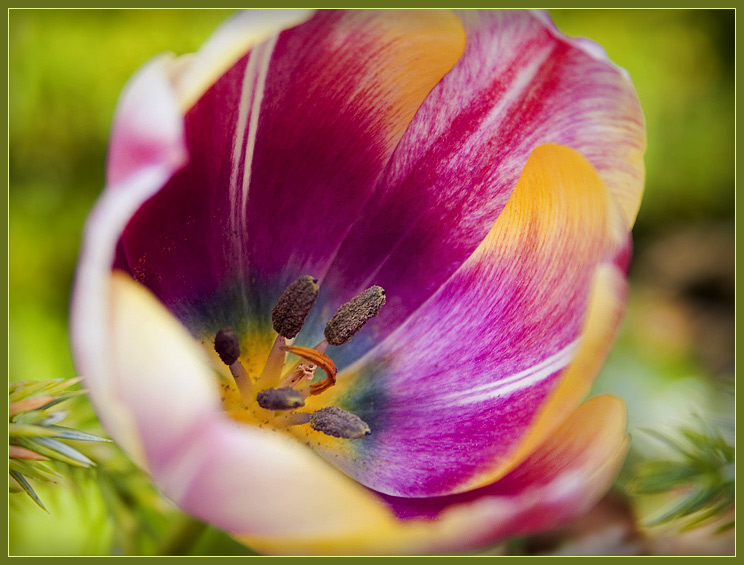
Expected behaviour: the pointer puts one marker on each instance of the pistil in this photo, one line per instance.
(322, 361)
(302, 370)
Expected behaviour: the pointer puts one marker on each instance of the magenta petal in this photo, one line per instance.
(179, 243)
(451, 394)
(340, 92)
(518, 85)
(560, 481)
(285, 150)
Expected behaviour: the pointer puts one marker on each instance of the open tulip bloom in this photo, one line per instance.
(354, 272)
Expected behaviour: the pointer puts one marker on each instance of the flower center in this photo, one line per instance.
(279, 392)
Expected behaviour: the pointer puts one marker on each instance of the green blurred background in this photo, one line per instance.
(674, 359)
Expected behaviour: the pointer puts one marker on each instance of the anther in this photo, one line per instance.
(294, 305)
(227, 346)
(280, 399)
(334, 421)
(351, 317)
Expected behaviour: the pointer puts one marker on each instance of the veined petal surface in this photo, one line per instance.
(285, 150)
(519, 84)
(451, 394)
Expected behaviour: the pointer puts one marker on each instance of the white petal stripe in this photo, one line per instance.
(519, 381)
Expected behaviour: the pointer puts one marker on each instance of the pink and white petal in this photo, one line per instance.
(148, 125)
(341, 92)
(258, 482)
(159, 374)
(244, 479)
(451, 394)
(519, 84)
(179, 243)
(560, 481)
(285, 149)
(144, 163)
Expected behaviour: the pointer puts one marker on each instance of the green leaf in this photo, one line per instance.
(701, 517)
(62, 398)
(56, 450)
(27, 489)
(725, 527)
(53, 418)
(689, 504)
(69, 433)
(670, 442)
(40, 417)
(62, 385)
(24, 389)
(659, 476)
(21, 390)
(25, 430)
(704, 467)
(35, 470)
(33, 415)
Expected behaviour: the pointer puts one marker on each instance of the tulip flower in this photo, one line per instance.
(353, 273)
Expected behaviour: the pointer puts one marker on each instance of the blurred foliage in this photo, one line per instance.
(34, 435)
(67, 68)
(702, 469)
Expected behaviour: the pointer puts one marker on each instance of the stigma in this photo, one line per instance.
(277, 393)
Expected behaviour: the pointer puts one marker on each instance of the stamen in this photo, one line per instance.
(294, 305)
(287, 419)
(351, 317)
(227, 346)
(285, 398)
(334, 421)
(322, 361)
(272, 371)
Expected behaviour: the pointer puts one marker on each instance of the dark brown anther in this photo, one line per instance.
(334, 421)
(351, 317)
(285, 398)
(294, 305)
(227, 346)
